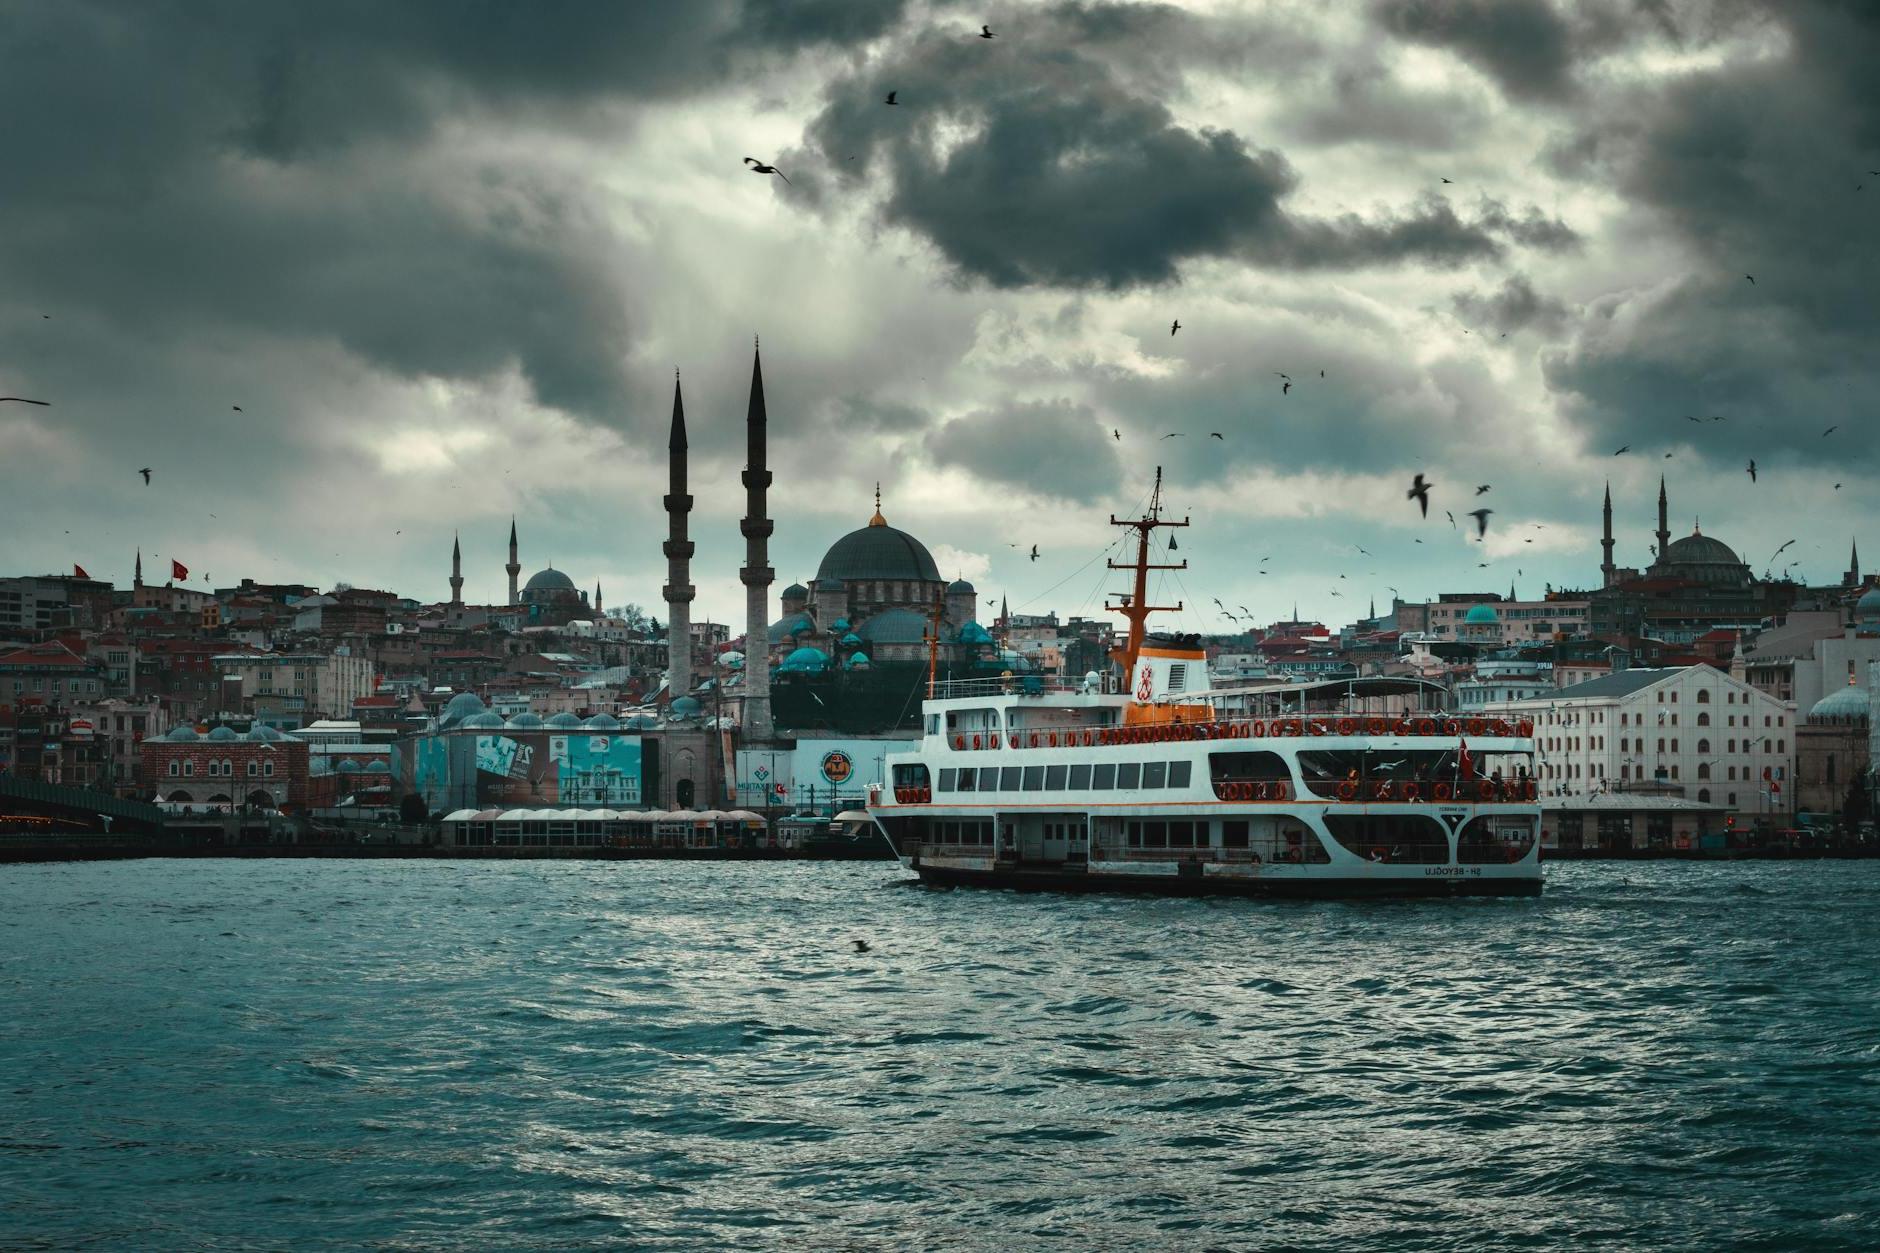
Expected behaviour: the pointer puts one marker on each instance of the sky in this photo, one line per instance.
(446, 255)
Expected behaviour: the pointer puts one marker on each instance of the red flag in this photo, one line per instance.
(78, 571)
(178, 570)
(1465, 762)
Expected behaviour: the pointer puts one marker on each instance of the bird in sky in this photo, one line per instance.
(1450, 516)
(1264, 560)
(1034, 552)
(891, 97)
(1717, 417)
(1627, 448)
(1837, 487)
(1285, 387)
(1321, 374)
(1118, 434)
(1480, 488)
(1416, 541)
(1831, 430)
(1420, 492)
(1364, 550)
(1446, 180)
(236, 408)
(1176, 435)
(1778, 552)
(1246, 611)
(1481, 565)
(146, 473)
(1174, 326)
(23, 400)
(758, 167)
(1282, 374)
(1751, 278)
(1217, 435)
(985, 32)
(1752, 469)
(1481, 521)
(1667, 456)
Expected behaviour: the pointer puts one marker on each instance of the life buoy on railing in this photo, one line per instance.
(1259, 791)
(1531, 790)
(1090, 738)
(1402, 727)
(1525, 727)
(1014, 741)
(1497, 726)
(1374, 726)
(977, 743)
(1347, 726)
(1292, 727)
(1050, 739)
(1411, 792)
(1279, 790)
(1347, 790)
(1486, 789)
(959, 741)
(1451, 727)
(1257, 729)
(1444, 791)
(1034, 739)
(1426, 726)
(1475, 726)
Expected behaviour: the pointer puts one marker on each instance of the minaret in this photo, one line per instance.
(1664, 520)
(1607, 569)
(679, 590)
(137, 579)
(757, 574)
(1853, 565)
(456, 573)
(514, 567)
(597, 598)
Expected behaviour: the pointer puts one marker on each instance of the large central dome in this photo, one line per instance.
(1694, 550)
(550, 579)
(878, 551)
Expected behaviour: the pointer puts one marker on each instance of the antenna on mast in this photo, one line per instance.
(1135, 605)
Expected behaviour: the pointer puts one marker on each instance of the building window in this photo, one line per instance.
(1703, 719)
(175, 769)
(1703, 746)
(1703, 698)
(189, 769)
(267, 768)
(1703, 795)
(1703, 770)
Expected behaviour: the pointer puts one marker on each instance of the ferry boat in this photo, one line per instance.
(1337, 788)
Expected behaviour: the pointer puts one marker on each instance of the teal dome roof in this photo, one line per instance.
(958, 587)
(805, 661)
(851, 640)
(182, 735)
(894, 626)
(224, 735)
(601, 722)
(973, 633)
(262, 733)
(524, 722)
(488, 720)
(795, 624)
(878, 551)
(1481, 615)
(841, 624)
(1848, 704)
(563, 722)
(859, 661)
(640, 722)
(686, 707)
(796, 591)
(550, 579)
(1867, 608)
(461, 706)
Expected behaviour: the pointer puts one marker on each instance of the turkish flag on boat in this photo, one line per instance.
(1465, 762)
(178, 570)
(78, 571)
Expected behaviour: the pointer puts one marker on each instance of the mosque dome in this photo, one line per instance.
(851, 640)
(1697, 549)
(548, 580)
(1867, 608)
(1849, 704)
(601, 722)
(973, 633)
(262, 733)
(796, 591)
(1697, 558)
(1481, 615)
(223, 735)
(687, 707)
(182, 735)
(878, 551)
(805, 661)
(640, 722)
(894, 626)
(524, 722)
(959, 587)
(794, 624)
(461, 706)
(488, 720)
(859, 661)
(563, 722)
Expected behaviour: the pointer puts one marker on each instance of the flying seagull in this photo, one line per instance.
(1752, 469)
(1831, 430)
(1118, 434)
(1176, 435)
(236, 408)
(1174, 326)
(1480, 488)
(1626, 449)
(1034, 552)
(1420, 492)
(758, 167)
(1446, 180)
(23, 400)
(1481, 521)
(1689, 418)
(1778, 552)
(891, 97)
(1450, 516)
(1751, 278)
(1217, 435)
(1285, 387)
(985, 32)
(146, 473)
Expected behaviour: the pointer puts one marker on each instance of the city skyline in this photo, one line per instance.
(454, 288)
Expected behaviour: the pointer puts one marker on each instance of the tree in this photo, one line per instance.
(633, 617)
(412, 810)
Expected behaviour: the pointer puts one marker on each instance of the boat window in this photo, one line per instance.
(1009, 778)
(967, 774)
(1157, 833)
(1247, 767)
(1416, 839)
(1179, 773)
(947, 777)
(1080, 778)
(1054, 778)
(1034, 778)
(1128, 776)
(1103, 777)
(1234, 833)
(1155, 774)
(1495, 839)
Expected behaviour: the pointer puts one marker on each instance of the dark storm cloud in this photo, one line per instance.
(1524, 45)
(1040, 163)
(1056, 447)
(1752, 168)
(1363, 102)
(1515, 306)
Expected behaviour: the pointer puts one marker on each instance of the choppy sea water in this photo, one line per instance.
(669, 1055)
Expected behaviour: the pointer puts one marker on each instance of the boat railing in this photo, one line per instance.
(1306, 726)
(1402, 791)
(1015, 685)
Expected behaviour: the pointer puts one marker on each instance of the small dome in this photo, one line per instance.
(805, 661)
(859, 661)
(796, 591)
(686, 707)
(841, 624)
(550, 579)
(563, 722)
(640, 722)
(851, 640)
(959, 587)
(601, 722)
(461, 706)
(224, 735)
(1481, 615)
(182, 735)
(348, 766)
(973, 633)
(1867, 608)
(794, 625)
(524, 722)
(262, 733)
(895, 626)
(488, 720)
(1849, 704)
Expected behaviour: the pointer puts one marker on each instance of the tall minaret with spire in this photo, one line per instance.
(597, 598)
(456, 573)
(514, 567)
(757, 574)
(1664, 520)
(137, 578)
(678, 590)
(1853, 564)
(1608, 571)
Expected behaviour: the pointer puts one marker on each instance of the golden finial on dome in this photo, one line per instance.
(877, 520)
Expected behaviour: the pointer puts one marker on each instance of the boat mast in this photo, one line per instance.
(1136, 607)
(933, 642)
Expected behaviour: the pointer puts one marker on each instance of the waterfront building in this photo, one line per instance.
(291, 689)
(1831, 749)
(261, 767)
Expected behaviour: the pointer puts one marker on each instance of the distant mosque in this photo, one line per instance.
(549, 597)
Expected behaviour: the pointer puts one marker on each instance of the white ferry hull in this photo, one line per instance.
(1215, 879)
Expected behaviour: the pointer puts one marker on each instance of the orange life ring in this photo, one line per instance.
(1090, 738)
(1402, 727)
(1374, 726)
(1051, 739)
(959, 741)
(1451, 727)
(1347, 726)
(1426, 726)
(1411, 792)
(1498, 726)
(1476, 726)
(1443, 792)
(1257, 729)
(1525, 727)
(1486, 789)
(977, 744)
(1034, 739)
(1015, 741)
(1347, 790)
(1292, 726)
(1531, 789)
(1279, 790)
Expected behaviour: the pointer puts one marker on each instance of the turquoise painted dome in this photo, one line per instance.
(224, 735)
(686, 707)
(859, 661)
(461, 706)
(488, 720)
(1481, 615)
(973, 633)
(525, 722)
(1867, 608)
(182, 735)
(563, 722)
(805, 661)
(851, 640)
(601, 722)
(1849, 704)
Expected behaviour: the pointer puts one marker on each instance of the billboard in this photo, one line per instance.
(520, 770)
(815, 774)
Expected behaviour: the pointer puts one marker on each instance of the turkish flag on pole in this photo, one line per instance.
(178, 570)
(78, 571)
(1465, 762)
